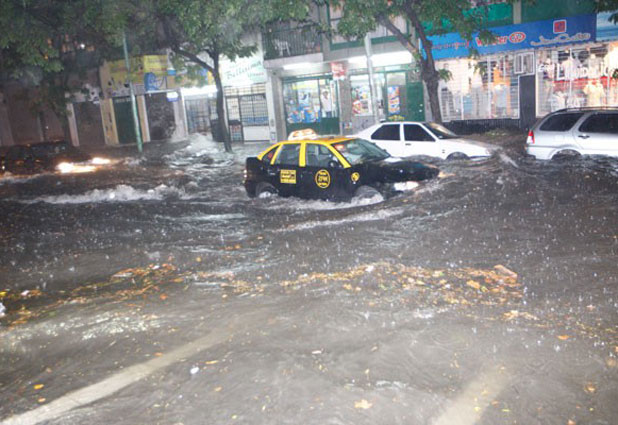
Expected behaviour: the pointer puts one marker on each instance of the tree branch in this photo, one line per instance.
(403, 39)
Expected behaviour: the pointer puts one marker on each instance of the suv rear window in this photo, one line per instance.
(561, 122)
(600, 123)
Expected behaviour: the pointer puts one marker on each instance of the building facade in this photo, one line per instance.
(545, 56)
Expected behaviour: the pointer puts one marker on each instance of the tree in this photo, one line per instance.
(48, 46)
(441, 16)
(202, 32)
(46, 38)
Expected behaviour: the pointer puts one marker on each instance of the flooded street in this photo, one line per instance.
(155, 291)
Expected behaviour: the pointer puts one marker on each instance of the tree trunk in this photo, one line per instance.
(433, 83)
(430, 76)
(224, 135)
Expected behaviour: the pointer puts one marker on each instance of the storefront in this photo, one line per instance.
(579, 75)
(311, 102)
(244, 86)
(485, 88)
(394, 99)
(500, 84)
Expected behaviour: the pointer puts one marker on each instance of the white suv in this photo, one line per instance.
(575, 132)
(409, 138)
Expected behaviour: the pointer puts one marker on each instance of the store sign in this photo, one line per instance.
(532, 35)
(243, 71)
(338, 70)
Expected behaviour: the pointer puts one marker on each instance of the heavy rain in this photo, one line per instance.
(488, 293)
(149, 287)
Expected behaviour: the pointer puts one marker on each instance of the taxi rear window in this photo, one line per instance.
(319, 156)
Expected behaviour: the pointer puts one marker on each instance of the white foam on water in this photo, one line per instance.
(121, 193)
(356, 218)
(17, 178)
(507, 159)
(296, 204)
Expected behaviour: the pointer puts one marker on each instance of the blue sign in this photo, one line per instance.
(151, 83)
(531, 35)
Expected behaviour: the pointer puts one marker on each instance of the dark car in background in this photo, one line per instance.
(41, 157)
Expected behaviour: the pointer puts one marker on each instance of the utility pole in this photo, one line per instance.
(138, 133)
(372, 83)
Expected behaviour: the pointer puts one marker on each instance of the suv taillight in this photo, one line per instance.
(530, 140)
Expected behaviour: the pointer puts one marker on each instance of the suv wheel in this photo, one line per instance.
(566, 155)
(265, 190)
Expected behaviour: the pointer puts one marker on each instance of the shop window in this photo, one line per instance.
(524, 63)
(487, 88)
(361, 94)
(574, 78)
(310, 101)
(395, 88)
(600, 123)
(561, 122)
(387, 132)
(288, 155)
(416, 133)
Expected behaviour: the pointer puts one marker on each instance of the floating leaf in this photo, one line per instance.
(474, 284)
(363, 404)
(38, 386)
(563, 337)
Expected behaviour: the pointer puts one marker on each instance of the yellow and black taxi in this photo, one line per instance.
(338, 168)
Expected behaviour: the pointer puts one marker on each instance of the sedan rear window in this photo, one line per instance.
(561, 122)
(387, 132)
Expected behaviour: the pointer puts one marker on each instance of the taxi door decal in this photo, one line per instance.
(322, 179)
(288, 176)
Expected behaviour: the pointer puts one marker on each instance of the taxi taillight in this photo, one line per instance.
(530, 140)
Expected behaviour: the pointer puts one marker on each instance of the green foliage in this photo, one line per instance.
(49, 45)
(425, 17)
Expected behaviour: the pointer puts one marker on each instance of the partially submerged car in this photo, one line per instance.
(48, 156)
(574, 132)
(338, 168)
(410, 138)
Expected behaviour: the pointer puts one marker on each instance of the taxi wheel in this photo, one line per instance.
(265, 190)
(367, 192)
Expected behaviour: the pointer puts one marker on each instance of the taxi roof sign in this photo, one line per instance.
(305, 134)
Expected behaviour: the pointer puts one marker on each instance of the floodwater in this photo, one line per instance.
(155, 291)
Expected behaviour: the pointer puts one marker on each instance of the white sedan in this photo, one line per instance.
(409, 138)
